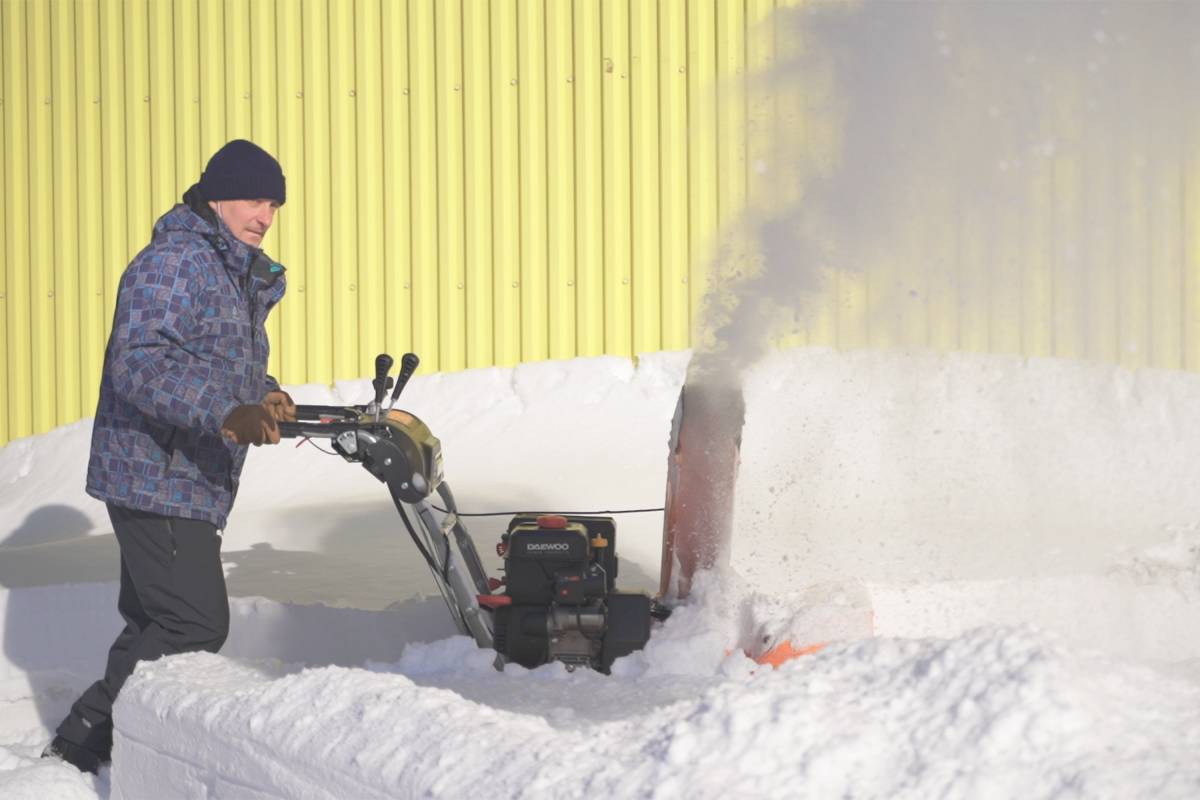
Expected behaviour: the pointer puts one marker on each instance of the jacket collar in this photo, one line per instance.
(195, 215)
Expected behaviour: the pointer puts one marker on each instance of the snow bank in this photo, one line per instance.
(996, 713)
(965, 490)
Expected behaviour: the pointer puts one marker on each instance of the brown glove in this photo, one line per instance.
(250, 424)
(280, 406)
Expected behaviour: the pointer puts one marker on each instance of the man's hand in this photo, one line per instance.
(280, 406)
(251, 424)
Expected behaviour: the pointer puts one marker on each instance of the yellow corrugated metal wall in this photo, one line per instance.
(481, 181)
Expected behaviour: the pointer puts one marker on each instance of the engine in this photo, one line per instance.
(561, 602)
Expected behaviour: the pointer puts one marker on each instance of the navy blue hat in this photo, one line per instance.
(242, 170)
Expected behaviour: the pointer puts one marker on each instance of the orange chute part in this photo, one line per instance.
(786, 651)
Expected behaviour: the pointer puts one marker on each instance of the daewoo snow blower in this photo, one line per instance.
(558, 600)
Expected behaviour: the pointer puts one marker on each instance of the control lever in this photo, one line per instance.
(383, 365)
(408, 365)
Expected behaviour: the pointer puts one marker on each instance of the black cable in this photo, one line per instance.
(559, 513)
(307, 440)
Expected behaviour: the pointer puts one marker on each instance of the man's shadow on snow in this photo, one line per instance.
(363, 596)
(52, 635)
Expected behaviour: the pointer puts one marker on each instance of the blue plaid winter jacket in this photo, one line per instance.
(188, 345)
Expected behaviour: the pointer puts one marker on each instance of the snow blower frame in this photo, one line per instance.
(559, 599)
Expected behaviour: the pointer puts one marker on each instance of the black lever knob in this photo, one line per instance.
(408, 365)
(383, 365)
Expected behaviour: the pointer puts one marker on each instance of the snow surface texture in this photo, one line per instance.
(1024, 530)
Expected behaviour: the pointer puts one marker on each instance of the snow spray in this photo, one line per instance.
(911, 148)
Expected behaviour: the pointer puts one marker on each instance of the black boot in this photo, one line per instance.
(81, 758)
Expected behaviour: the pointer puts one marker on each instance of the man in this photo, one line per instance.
(184, 391)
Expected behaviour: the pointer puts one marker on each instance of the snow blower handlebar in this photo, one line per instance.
(399, 449)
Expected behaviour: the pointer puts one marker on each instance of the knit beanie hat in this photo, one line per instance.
(242, 170)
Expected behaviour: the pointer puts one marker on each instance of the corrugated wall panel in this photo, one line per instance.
(614, 33)
(344, 177)
(1004, 319)
(291, 346)
(451, 274)
(974, 234)
(265, 94)
(820, 135)
(1166, 270)
(940, 251)
(368, 107)
(646, 267)
(1189, 224)
(477, 183)
(1133, 291)
(112, 142)
(4, 264)
(140, 213)
(702, 143)
(589, 180)
(185, 62)
(318, 248)
(238, 81)
(423, 151)
(486, 182)
(163, 109)
(506, 187)
(20, 397)
(673, 160)
(90, 265)
(1037, 288)
(760, 112)
(212, 88)
(731, 111)
(531, 137)
(65, 228)
(560, 181)
(397, 234)
(41, 219)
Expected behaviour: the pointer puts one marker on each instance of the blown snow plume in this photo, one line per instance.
(889, 147)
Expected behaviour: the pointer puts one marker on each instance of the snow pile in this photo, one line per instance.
(1021, 534)
(998, 712)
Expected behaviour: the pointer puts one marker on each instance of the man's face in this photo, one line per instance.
(249, 220)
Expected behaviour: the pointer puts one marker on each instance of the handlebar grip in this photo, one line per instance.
(383, 365)
(408, 365)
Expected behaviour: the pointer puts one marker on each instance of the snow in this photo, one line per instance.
(1021, 535)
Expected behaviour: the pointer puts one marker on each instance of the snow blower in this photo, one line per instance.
(558, 599)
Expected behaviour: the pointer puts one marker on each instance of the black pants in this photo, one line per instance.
(173, 600)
